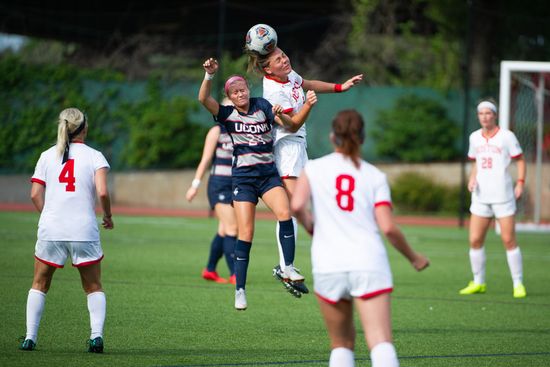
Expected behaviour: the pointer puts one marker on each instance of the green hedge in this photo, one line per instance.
(144, 130)
(413, 192)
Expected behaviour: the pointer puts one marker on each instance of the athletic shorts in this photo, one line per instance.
(55, 253)
(334, 287)
(219, 190)
(500, 210)
(251, 188)
(290, 157)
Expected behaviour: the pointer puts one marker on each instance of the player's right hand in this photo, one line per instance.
(472, 185)
(211, 65)
(191, 193)
(420, 262)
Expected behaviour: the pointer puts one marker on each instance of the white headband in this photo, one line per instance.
(487, 104)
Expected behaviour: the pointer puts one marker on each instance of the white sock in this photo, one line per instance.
(515, 263)
(477, 262)
(384, 355)
(35, 306)
(341, 357)
(281, 256)
(97, 306)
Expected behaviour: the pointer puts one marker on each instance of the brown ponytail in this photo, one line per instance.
(349, 134)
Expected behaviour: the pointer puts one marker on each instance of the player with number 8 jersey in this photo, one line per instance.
(350, 201)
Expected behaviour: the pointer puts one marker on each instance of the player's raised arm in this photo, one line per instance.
(324, 87)
(210, 67)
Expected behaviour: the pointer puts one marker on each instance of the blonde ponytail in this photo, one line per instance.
(70, 120)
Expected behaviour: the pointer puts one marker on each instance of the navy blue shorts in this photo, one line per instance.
(219, 190)
(251, 188)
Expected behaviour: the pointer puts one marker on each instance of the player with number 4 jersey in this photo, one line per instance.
(65, 183)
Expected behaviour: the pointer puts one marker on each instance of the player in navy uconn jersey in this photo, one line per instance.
(65, 183)
(218, 150)
(249, 122)
(351, 202)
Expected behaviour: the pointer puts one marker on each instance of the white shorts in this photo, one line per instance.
(55, 253)
(499, 210)
(334, 287)
(290, 157)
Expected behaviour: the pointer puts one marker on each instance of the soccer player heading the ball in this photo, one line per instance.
(249, 122)
(351, 202)
(285, 87)
(494, 195)
(65, 183)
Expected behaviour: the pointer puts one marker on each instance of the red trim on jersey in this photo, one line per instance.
(88, 262)
(376, 293)
(286, 177)
(38, 181)
(380, 203)
(492, 136)
(288, 110)
(327, 300)
(472, 158)
(275, 80)
(516, 156)
(48, 263)
(78, 141)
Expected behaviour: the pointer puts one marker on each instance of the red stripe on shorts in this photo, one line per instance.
(88, 262)
(376, 293)
(48, 263)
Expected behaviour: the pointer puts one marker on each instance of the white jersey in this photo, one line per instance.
(291, 97)
(69, 206)
(493, 155)
(346, 236)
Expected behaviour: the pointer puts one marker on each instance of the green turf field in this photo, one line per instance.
(161, 313)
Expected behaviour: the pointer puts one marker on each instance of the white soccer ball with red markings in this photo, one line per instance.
(261, 38)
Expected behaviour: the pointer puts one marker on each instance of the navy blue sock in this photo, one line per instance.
(287, 239)
(242, 252)
(229, 252)
(216, 252)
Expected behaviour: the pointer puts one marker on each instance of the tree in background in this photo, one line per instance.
(416, 130)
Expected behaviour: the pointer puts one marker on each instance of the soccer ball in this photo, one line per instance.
(261, 38)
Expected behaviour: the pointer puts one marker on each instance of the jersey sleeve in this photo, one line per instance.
(100, 161)
(278, 96)
(471, 148)
(513, 146)
(223, 114)
(382, 193)
(39, 175)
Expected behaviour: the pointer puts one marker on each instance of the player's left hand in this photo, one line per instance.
(420, 262)
(518, 190)
(108, 222)
(352, 82)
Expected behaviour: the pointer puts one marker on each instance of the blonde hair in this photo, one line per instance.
(257, 62)
(70, 119)
(349, 133)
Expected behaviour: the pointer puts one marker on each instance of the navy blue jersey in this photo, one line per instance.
(223, 157)
(252, 138)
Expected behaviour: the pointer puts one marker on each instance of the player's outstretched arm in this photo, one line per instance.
(210, 67)
(207, 153)
(384, 218)
(324, 87)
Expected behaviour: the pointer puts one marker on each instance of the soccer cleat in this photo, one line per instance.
(27, 344)
(292, 280)
(473, 288)
(519, 291)
(95, 345)
(213, 276)
(233, 279)
(240, 300)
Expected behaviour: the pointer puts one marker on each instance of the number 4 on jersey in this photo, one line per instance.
(67, 175)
